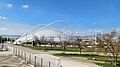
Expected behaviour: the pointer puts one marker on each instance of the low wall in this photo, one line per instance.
(38, 60)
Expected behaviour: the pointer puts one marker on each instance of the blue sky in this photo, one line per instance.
(82, 15)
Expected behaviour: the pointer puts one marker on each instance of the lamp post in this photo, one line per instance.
(33, 36)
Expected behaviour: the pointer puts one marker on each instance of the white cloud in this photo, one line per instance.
(3, 18)
(8, 5)
(25, 6)
(12, 27)
(99, 30)
(3, 29)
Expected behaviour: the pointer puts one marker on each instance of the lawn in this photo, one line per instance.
(90, 57)
(53, 48)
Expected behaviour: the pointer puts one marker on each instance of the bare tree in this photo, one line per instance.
(79, 44)
(36, 40)
(110, 42)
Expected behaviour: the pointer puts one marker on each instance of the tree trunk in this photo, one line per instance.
(51, 45)
(116, 59)
(39, 46)
(80, 50)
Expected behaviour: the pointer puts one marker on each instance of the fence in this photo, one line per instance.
(35, 59)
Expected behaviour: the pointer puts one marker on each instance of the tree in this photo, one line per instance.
(9, 39)
(5, 39)
(110, 42)
(79, 43)
(64, 45)
(51, 42)
(36, 40)
(1, 38)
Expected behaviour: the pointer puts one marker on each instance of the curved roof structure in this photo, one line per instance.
(46, 31)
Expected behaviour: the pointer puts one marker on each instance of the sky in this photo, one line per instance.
(18, 16)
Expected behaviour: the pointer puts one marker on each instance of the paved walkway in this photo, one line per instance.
(8, 60)
(66, 62)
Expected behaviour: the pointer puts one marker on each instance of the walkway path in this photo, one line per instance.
(66, 62)
(8, 60)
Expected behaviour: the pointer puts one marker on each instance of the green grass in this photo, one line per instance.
(90, 57)
(106, 65)
(5, 66)
(68, 49)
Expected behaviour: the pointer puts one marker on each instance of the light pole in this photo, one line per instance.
(33, 37)
(26, 38)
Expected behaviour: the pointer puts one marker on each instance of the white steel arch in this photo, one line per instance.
(42, 29)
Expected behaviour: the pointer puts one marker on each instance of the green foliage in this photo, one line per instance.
(5, 66)
(1, 37)
(90, 57)
(68, 49)
(4, 39)
(106, 65)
